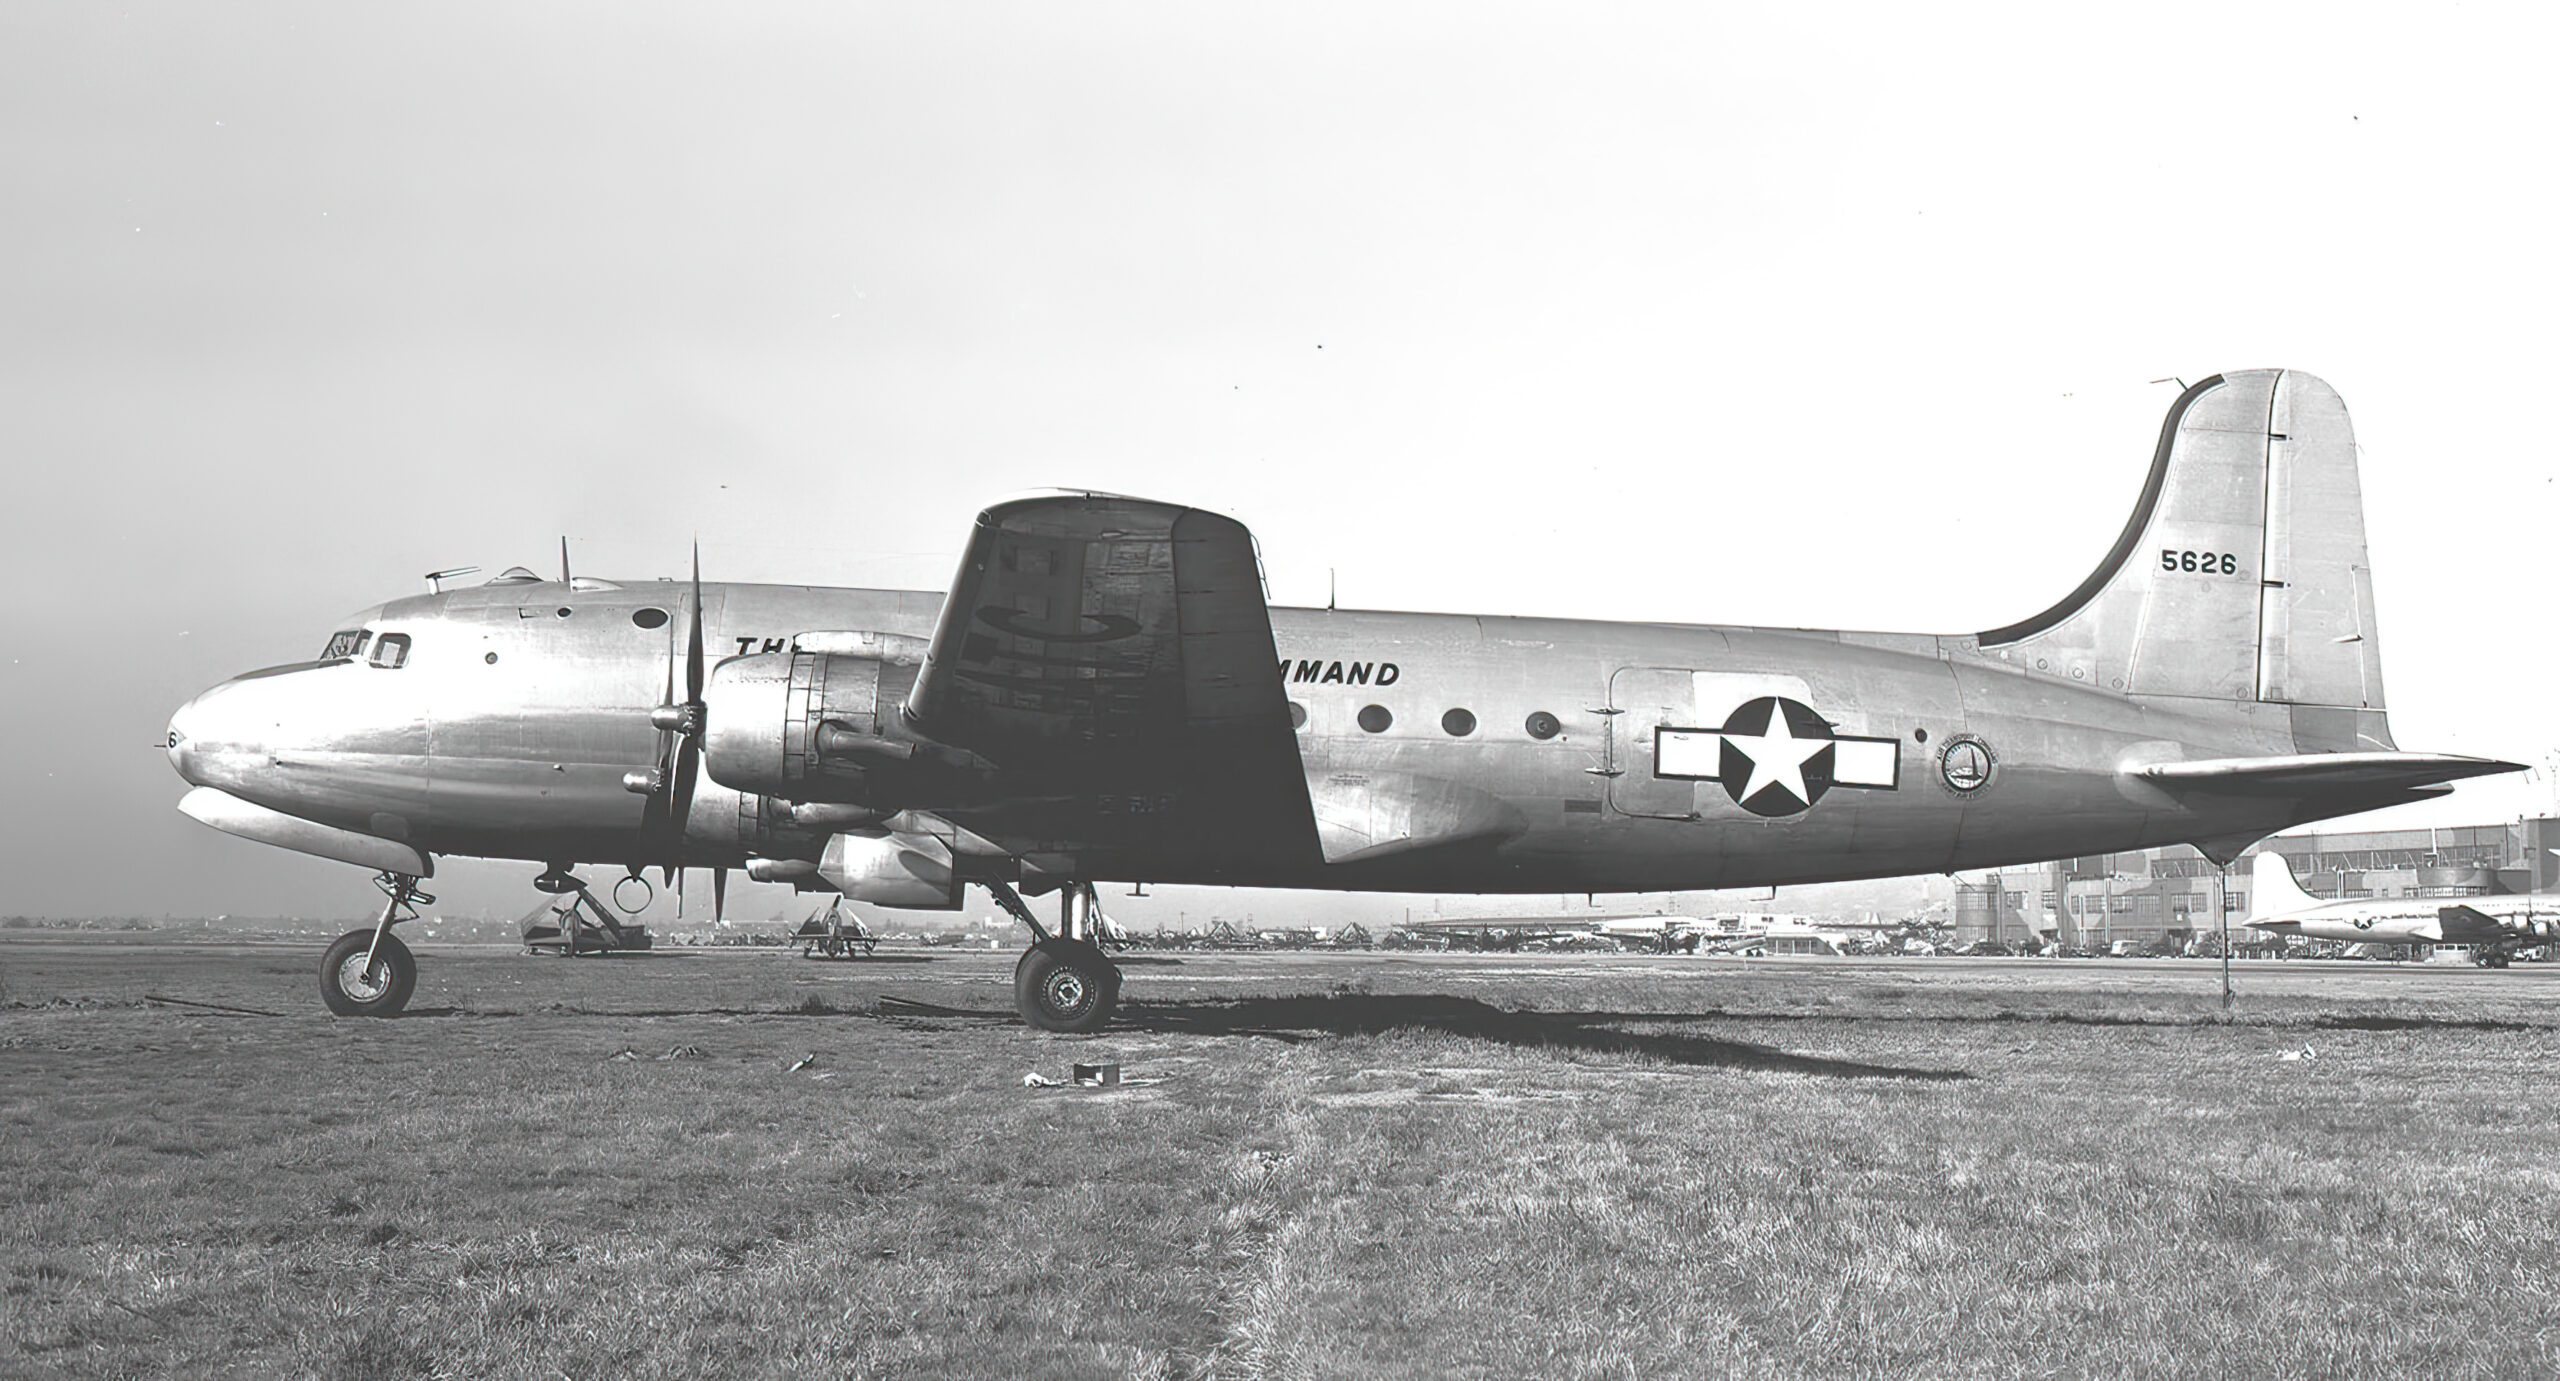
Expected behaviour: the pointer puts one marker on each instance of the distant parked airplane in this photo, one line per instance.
(2499, 926)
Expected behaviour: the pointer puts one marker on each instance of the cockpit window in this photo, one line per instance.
(391, 650)
(346, 645)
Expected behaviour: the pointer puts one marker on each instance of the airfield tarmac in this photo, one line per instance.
(741, 1162)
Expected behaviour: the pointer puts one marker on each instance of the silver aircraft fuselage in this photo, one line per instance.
(516, 711)
(1103, 695)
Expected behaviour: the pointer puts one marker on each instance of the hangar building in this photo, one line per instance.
(2099, 900)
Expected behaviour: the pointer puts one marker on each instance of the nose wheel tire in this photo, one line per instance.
(351, 990)
(1066, 985)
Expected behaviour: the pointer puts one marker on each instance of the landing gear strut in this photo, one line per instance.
(1064, 982)
(368, 972)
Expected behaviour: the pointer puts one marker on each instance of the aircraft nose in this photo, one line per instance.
(219, 722)
(180, 740)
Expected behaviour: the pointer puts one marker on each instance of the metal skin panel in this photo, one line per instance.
(1647, 700)
(1118, 704)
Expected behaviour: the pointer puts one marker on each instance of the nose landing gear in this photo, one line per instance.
(1064, 982)
(368, 972)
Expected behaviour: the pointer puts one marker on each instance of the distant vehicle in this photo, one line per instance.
(2496, 927)
(835, 933)
(572, 922)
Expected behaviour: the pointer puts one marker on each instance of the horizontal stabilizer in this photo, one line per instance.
(2321, 774)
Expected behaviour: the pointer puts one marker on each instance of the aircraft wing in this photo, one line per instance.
(2322, 774)
(2464, 925)
(1113, 645)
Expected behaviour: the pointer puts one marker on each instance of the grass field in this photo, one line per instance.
(745, 1163)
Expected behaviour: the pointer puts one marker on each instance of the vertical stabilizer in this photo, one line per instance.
(2272, 890)
(2242, 574)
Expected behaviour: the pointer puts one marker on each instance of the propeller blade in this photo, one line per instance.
(680, 872)
(693, 640)
(680, 791)
(719, 895)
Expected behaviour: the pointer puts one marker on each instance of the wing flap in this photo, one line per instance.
(2321, 774)
(1369, 815)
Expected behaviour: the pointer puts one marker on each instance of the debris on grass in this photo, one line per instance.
(2305, 1053)
(1097, 1076)
(209, 1006)
(625, 1053)
(802, 1063)
(686, 1052)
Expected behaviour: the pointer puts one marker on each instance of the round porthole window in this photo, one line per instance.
(649, 618)
(1543, 725)
(1458, 723)
(1375, 718)
(1965, 763)
(1297, 715)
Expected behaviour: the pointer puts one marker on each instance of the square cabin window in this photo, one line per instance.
(391, 650)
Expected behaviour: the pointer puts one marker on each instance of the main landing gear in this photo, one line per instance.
(369, 973)
(1064, 982)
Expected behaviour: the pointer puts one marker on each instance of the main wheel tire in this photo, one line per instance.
(1066, 985)
(351, 991)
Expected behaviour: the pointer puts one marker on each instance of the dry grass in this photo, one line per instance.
(1477, 1166)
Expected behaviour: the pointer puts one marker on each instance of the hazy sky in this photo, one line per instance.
(1824, 315)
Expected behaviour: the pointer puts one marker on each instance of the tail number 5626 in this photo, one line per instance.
(2200, 562)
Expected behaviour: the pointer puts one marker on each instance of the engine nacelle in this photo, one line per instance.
(903, 870)
(802, 725)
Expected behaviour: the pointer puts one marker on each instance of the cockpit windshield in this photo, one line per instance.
(345, 646)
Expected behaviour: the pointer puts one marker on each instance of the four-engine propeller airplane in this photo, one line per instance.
(1096, 699)
(2496, 926)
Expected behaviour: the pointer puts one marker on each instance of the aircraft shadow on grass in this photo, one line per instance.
(1298, 1019)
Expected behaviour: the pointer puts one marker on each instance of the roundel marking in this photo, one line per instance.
(1778, 756)
(1965, 764)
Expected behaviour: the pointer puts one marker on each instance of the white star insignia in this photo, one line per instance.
(1777, 756)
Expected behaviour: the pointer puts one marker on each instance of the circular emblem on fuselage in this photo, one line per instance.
(1965, 764)
(1778, 756)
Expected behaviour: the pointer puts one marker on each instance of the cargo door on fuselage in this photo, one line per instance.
(1641, 701)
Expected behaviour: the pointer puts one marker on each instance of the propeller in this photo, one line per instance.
(719, 894)
(679, 724)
